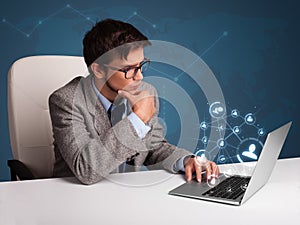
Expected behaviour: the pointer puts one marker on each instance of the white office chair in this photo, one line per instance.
(31, 80)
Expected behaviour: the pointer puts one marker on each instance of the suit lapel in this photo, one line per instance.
(95, 107)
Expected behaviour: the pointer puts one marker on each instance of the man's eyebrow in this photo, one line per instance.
(133, 65)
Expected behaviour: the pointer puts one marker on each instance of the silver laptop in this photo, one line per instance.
(236, 189)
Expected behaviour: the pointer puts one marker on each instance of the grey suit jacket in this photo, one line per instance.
(87, 146)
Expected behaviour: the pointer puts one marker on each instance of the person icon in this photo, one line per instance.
(203, 125)
(204, 140)
(250, 153)
(236, 130)
(234, 113)
(250, 119)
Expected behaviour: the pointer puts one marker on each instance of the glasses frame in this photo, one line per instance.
(125, 70)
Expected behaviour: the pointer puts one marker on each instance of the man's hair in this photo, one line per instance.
(109, 34)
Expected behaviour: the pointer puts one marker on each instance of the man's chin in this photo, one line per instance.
(131, 88)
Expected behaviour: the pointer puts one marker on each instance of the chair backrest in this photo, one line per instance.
(31, 80)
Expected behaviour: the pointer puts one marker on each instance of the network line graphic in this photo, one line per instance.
(225, 33)
(42, 21)
(242, 140)
(68, 7)
(135, 14)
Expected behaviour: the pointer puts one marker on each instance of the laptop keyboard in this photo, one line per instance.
(230, 188)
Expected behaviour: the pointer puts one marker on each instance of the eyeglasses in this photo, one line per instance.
(131, 71)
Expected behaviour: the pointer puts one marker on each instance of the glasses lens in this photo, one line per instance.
(133, 71)
(145, 66)
(130, 73)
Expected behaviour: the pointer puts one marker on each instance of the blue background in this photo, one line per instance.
(251, 46)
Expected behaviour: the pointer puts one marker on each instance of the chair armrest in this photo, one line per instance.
(19, 170)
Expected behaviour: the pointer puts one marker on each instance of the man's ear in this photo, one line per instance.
(98, 72)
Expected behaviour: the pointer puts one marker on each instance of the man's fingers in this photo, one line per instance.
(215, 169)
(133, 97)
(208, 171)
(188, 173)
(212, 170)
(125, 94)
(198, 170)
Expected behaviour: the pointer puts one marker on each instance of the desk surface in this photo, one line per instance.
(142, 198)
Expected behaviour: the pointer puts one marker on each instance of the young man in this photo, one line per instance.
(90, 142)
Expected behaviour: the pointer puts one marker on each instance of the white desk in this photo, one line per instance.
(141, 198)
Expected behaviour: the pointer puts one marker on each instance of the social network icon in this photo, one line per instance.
(250, 119)
(222, 159)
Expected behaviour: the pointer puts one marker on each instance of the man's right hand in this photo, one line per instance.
(142, 103)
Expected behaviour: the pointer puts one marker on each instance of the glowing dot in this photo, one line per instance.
(135, 13)
(176, 79)
(28, 35)
(40, 22)
(3, 20)
(154, 26)
(225, 33)
(88, 18)
(261, 132)
(68, 5)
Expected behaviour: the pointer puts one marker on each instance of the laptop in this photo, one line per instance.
(237, 189)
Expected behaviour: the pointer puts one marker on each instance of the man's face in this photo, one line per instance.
(117, 80)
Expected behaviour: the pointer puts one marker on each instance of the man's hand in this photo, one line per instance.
(199, 164)
(142, 103)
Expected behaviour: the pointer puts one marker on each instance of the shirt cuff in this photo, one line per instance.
(179, 165)
(141, 128)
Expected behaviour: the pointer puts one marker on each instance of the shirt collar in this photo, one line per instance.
(105, 102)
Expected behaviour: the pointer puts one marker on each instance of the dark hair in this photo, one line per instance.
(107, 35)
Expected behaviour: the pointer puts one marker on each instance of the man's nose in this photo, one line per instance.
(139, 75)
